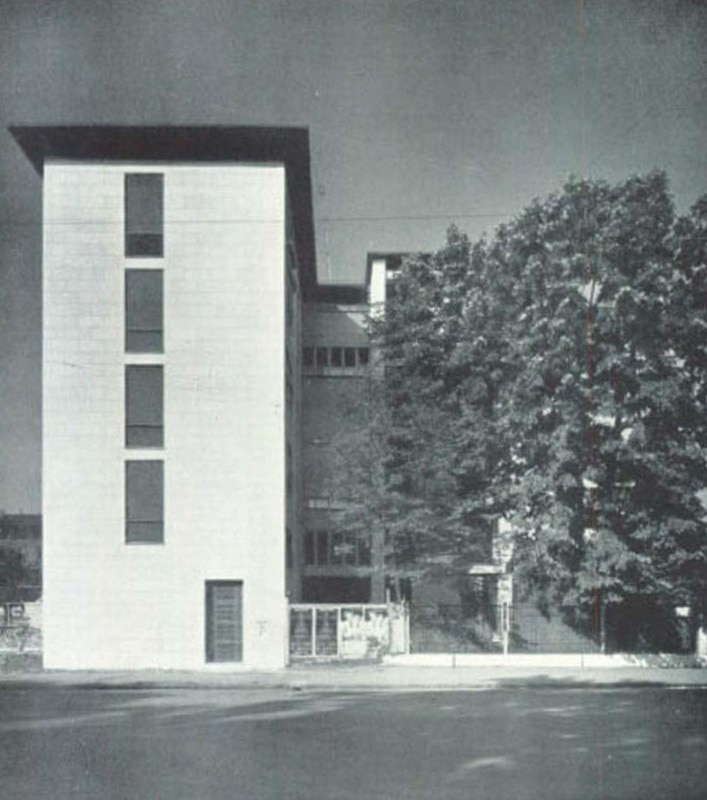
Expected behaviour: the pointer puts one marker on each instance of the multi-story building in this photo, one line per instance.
(338, 565)
(193, 374)
(174, 264)
(337, 360)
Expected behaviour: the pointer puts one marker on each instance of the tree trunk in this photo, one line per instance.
(600, 620)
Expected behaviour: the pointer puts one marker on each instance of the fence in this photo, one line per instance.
(526, 628)
(326, 631)
(20, 626)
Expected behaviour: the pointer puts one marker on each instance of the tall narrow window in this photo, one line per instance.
(322, 548)
(288, 549)
(143, 311)
(144, 502)
(144, 200)
(144, 426)
(322, 357)
(309, 548)
(224, 621)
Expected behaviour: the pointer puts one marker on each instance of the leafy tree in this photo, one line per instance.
(556, 375)
(418, 463)
(607, 394)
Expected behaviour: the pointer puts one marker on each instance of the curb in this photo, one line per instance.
(383, 679)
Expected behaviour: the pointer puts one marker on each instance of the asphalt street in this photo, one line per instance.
(505, 743)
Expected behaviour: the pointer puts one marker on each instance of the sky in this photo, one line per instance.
(421, 113)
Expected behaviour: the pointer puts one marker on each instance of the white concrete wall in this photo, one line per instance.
(377, 287)
(112, 605)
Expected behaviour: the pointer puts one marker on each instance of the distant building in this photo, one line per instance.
(20, 528)
(192, 371)
(338, 566)
(20, 557)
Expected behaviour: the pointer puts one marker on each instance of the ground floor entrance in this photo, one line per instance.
(224, 621)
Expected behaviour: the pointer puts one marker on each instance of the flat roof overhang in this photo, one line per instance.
(207, 143)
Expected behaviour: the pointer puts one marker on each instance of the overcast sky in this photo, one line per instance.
(420, 114)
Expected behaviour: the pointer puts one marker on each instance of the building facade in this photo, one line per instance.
(173, 267)
(194, 377)
(337, 564)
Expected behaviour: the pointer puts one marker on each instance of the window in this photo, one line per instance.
(288, 364)
(288, 549)
(144, 502)
(322, 357)
(346, 357)
(290, 300)
(144, 426)
(143, 311)
(224, 621)
(309, 548)
(322, 548)
(291, 257)
(289, 477)
(289, 393)
(144, 214)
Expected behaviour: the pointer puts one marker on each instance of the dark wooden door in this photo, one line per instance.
(224, 621)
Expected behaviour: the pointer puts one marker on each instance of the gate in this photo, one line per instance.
(326, 631)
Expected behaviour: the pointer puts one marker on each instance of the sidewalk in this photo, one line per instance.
(367, 677)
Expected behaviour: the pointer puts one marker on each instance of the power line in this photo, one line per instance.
(415, 217)
(246, 221)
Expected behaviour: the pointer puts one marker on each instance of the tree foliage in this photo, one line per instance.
(555, 375)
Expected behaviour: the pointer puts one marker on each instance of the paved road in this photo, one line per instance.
(513, 743)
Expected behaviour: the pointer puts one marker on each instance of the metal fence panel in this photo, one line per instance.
(463, 628)
(342, 631)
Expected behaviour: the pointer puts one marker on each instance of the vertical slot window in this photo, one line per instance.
(309, 559)
(144, 417)
(288, 549)
(144, 214)
(290, 301)
(144, 502)
(289, 471)
(144, 318)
